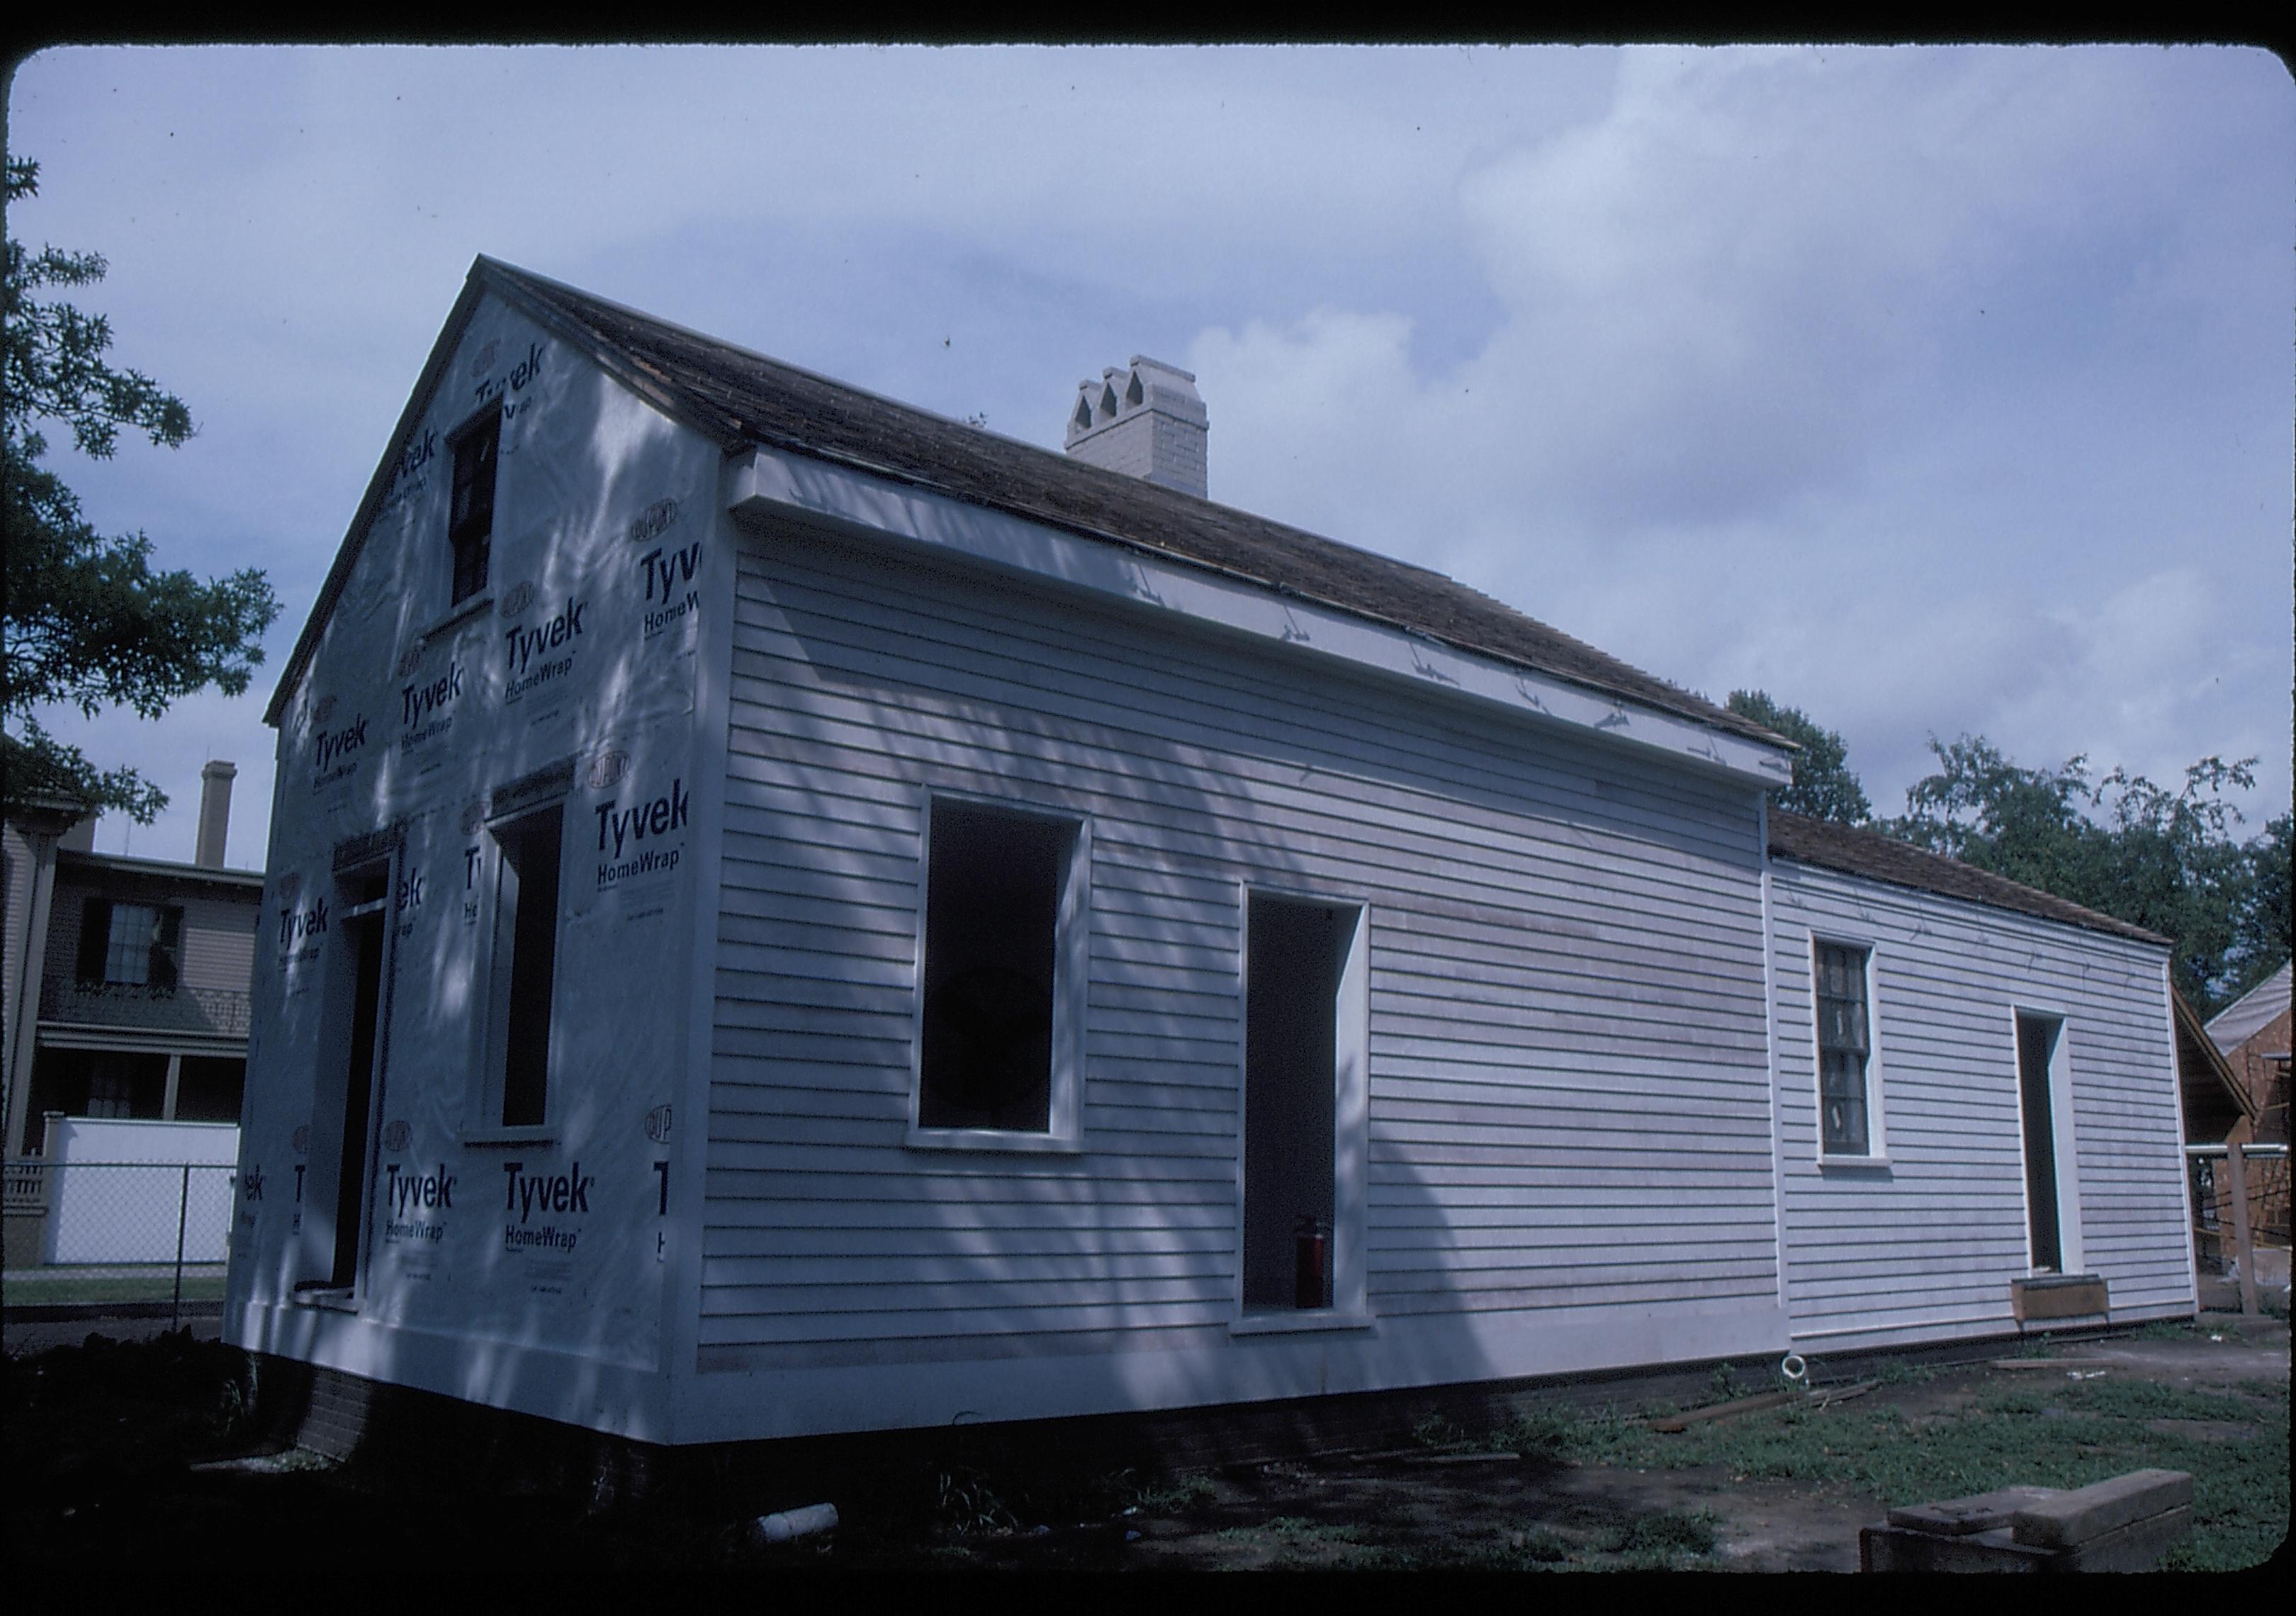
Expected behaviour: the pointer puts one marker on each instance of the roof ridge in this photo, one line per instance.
(1062, 490)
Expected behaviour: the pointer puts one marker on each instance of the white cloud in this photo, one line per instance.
(1931, 389)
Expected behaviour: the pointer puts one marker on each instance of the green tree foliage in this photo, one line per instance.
(1823, 786)
(89, 622)
(2162, 859)
(2260, 918)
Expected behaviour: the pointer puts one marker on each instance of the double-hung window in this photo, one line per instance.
(1845, 1051)
(138, 944)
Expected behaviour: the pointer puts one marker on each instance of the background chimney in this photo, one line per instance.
(215, 813)
(1145, 421)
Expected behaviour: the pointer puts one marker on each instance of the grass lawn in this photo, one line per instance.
(46, 1287)
(2064, 1434)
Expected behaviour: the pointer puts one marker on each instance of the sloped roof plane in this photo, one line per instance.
(2240, 1021)
(1856, 851)
(737, 399)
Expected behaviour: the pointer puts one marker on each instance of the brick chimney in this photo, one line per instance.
(215, 813)
(1148, 422)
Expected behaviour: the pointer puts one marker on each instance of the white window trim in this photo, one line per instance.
(1351, 1304)
(490, 1026)
(2065, 1165)
(1071, 976)
(1876, 1154)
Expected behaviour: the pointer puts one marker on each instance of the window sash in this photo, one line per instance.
(471, 506)
(1845, 1049)
(140, 944)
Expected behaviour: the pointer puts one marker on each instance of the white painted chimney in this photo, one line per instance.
(1148, 421)
(215, 813)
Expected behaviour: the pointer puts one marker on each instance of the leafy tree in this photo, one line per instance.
(2162, 859)
(1823, 786)
(2260, 918)
(88, 621)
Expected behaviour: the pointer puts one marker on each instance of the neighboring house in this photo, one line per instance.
(135, 975)
(794, 914)
(126, 982)
(2254, 1034)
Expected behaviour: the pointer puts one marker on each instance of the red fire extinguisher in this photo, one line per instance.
(1311, 1244)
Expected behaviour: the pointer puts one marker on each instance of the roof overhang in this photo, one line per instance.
(2205, 1077)
(766, 483)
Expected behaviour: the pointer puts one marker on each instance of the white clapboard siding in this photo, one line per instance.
(1927, 1247)
(1569, 1107)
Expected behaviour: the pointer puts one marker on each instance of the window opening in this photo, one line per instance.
(1844, 1050)
(470, 512)
(994, 888)
(526, 964)
(2036, 1045)
(1297, 953)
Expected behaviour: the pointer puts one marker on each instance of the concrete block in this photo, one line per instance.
(1981, 1512)
(2133, 1547)
(2071, 1519)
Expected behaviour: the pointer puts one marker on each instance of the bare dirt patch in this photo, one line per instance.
(133, 1455)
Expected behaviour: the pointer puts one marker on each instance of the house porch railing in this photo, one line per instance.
(220, 1012)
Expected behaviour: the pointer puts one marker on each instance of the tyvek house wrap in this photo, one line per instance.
(413, 715)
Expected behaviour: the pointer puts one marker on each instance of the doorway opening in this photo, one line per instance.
(1298, 1055)
(2037, 1048)
(349, 1060)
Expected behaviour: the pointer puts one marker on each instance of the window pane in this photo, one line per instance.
(1845, 1127)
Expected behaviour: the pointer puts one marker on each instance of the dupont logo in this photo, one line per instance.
(322, 709)
(656, 520)
(657, 1123)
(411, 659)
(514, 604)
(394, 1135)
(607, 770)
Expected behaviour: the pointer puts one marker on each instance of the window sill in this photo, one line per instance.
(509, 1138)
(1281, 1323)
(335, 1299)
(476, 605)
(991, 1139)
(1857, 1164)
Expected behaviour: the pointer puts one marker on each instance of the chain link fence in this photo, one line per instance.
(124, 1238)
